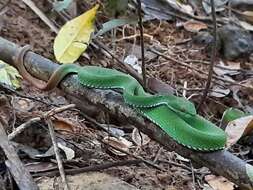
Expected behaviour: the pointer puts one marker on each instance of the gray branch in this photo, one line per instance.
(91, 100)
(20, 174)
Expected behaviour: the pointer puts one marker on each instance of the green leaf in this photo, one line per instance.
(61, 5)
(233, 114)
(114, 24)
(9, 75)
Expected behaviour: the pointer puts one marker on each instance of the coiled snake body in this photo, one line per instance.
(175, 115)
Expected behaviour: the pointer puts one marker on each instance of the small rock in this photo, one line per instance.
(232, 42)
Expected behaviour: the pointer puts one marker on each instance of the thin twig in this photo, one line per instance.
(135, 156)
(4, 8)
(57, 153)
(167, 57)
(196, 69)
(185, 16)
(217, 66)
(10, 90)
(22, 127)
(143, 66)
(158, 154)
(98, 125)
(99, 167)
(52, 134)
(58, 110)
(126, 67)
(193, 178)
(213, 57)
(25, 125)
(42, 16)
(175, 164)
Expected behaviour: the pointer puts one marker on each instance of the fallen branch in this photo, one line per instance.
(100, 167)
(221, 162)
(20, 174)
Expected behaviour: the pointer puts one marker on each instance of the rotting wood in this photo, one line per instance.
(222, 162)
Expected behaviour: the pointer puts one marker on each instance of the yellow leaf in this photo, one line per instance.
(73, 38)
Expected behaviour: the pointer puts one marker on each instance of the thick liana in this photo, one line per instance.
(175, 115)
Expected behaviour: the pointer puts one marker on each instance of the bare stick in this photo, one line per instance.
(42, 16)
(158, 154)
(213, 56)
(9, 90)
(25, 125)
(143, 66)
(58, 110)
(99, 167)
(57, 153)
(22, 127)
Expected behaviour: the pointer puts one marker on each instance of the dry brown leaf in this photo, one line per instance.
(159, 87)
(219, 182)
(139, 138)
(219, 92)
(40, 166)
(194, 26)
(229, 65)
(67, 125)
(63, 125)
(237, 128)
(248, 15)
(22, 104)
(120, 143)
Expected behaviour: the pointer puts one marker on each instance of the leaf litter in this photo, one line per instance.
(25, 27)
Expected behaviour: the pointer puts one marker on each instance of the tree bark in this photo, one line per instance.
(220, 162)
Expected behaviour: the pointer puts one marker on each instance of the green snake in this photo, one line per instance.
(175, 115)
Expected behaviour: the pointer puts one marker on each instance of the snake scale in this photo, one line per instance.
(175, 115)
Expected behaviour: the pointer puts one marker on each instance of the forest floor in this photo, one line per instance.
(22, 26)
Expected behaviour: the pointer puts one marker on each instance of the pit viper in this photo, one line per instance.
(175, 115)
